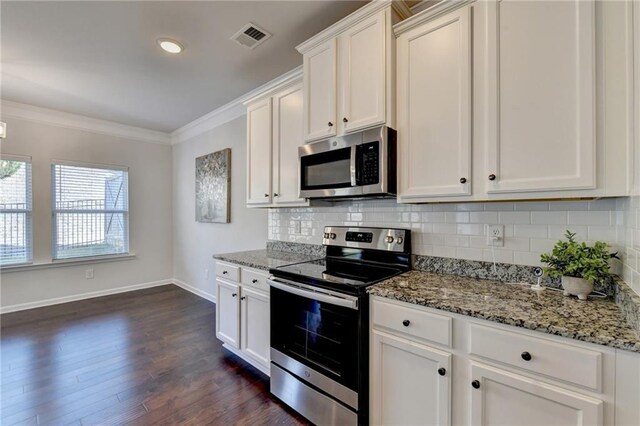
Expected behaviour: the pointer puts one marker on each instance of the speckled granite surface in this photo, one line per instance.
(264, 259)
(597, 321)
(301, 248)
(504, 272)
(629, 304)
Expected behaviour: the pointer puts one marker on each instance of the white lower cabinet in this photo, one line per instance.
(242, 315)
(478, 372)
(499, 397)
(410, 382)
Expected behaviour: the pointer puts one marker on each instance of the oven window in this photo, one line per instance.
(326, 170)
(318, 334)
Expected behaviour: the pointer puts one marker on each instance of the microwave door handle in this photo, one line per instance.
(353, 166)
(351, 303)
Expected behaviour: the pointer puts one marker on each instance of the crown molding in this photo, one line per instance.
(431, 11)
(67, 120)
(235, 108)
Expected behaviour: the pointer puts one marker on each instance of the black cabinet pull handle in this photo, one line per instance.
(330, 124)
(275, 194)
(442, 371)
(526, 356)
(266, 195)
(492, 177)
(224, 272)
(234, 294)
(475, 384)
(406, 323)
(463, 180)
(254, 281)
(344, 119)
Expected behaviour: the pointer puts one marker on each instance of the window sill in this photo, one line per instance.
(66, 262)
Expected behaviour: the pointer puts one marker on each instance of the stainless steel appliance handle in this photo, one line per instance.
(352, 165)
(319, 295)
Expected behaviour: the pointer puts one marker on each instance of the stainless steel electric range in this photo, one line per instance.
(320, 322)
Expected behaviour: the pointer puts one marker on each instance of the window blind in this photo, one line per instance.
(15, 211)
(90, 210)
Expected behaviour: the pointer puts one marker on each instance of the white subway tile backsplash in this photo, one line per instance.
(458, 230)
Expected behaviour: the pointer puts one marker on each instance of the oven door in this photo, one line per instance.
(328, 168)
(314, 335)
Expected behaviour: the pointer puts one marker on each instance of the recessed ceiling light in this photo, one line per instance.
(170, 46)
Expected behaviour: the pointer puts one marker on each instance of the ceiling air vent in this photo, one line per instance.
(250, 36)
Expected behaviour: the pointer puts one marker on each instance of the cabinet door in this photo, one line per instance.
(319, 67)
(362, 74)
(541, 101)
(434, 108)
(287, 137)
(406, 387)
(227, 312)
(259, 152)
(255, 325)
(504, 398)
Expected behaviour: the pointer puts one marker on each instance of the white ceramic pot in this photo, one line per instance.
(577, 287)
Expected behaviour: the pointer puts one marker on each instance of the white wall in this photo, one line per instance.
(195, 243)
(150, 189)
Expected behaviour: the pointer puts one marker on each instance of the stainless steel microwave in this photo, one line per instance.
(357, 165)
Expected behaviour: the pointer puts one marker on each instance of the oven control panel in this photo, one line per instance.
(359, 237)
(386, 239)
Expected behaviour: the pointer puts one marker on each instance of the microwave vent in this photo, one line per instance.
(250, 36)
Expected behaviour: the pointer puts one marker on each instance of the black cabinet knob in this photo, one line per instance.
(234, 294)
(475, 384)
(224, 272)
(254, 281)
(463, 180)
(242, 298)
(266, 195)
(275, 194)
(526, 356)
(442, 371)
(344, 119)
(330, 124)
(492, 177)
(406, 323)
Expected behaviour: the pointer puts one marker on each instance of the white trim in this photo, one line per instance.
(82, 296)
(80, 122)
(102, 166)
(430, 12)
(57, 263)
(208, 296)
(13, 157)
(233, 109)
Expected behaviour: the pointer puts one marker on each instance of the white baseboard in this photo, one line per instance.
(208, 296)
(76, 297)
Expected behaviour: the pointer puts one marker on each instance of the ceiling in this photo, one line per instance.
(101, 59)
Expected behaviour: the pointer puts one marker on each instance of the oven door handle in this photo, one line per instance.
(346, 301)
(353, 164)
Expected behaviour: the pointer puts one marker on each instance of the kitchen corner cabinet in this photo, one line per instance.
(242, 313)
(510, 108)
(433, 367)
(349, 74)
(274, 132)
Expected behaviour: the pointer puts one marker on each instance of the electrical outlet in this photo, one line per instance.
(297, 227)
(88, 274)
(495, 235)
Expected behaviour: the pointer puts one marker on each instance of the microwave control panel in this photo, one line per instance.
(369, 157)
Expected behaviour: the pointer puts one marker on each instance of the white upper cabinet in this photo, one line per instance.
(541, 96)
(320, 87)
(434, 108)
(259, 152)
(349, 73)
(274, 133)
(287, 137)
(362, 73)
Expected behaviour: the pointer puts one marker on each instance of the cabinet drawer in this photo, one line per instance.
(412, 321)
(255, 279)
(228, 271)
(559, 361)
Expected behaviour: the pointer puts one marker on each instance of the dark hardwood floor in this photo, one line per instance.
(139, 358)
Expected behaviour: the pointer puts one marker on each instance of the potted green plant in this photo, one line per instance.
(578, 264)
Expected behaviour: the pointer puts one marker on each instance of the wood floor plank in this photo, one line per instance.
(138, 358)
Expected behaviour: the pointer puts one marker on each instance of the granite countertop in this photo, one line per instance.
(598, 321)
(264, 259)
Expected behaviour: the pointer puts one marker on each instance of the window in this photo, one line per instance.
(90, 210)
(15, 210)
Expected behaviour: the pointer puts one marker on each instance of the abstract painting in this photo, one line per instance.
(213, 187)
